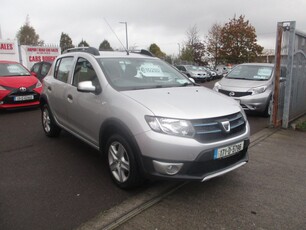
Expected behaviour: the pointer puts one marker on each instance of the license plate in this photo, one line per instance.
(24, 98)
(228, 150)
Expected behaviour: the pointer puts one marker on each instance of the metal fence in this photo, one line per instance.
(289, 98)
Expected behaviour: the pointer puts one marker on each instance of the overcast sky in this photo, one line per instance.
(164, 22)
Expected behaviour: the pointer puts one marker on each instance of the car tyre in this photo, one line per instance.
(51, 129)
(122, 163)
(268, 110)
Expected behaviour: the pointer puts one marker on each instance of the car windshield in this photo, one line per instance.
(140, 73)
(192, 68)
(251, 72)
(13, 69)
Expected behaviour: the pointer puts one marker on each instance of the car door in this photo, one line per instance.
(56, 88)
(84, 108)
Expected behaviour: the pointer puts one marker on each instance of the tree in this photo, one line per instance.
(83, 43)
(105, 46)
(154, 49)
(213, 43)
(238, 42)
(187, 54)
(27, 35)
(194, 49)
(65, 42)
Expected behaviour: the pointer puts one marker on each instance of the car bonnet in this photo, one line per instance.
(18, 81)
(241, 85)
(184, 102)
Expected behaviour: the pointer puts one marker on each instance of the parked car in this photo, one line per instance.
(41, 69)
(251, 85)
(18, 87)
(194, 72)
(212, 75)
(221, 71)
(144, 115)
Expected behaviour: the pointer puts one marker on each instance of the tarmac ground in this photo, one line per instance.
(267, 193)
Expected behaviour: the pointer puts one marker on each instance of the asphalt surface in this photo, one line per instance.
(55, 183)
(49, 183)
(267, 193)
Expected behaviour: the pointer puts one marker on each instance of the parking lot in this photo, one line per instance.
(55, 183)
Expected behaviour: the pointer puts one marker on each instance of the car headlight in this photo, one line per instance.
(217, 86)
(258, 90)
(2, 88)
(193, 74)
(38, 84)
(176, 127)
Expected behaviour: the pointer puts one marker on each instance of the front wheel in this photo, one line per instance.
(51, 129)
(122, 163)
(268, 110)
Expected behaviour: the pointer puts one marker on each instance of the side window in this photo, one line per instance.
(63, 68)
(45, 69)
(35, 68)
(84, 72)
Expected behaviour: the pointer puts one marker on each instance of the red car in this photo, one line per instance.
(18, 87)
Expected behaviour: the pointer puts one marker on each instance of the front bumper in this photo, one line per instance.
(197, 158)
(203, 168)
(257, 102)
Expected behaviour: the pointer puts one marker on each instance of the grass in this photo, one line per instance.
(301, 126)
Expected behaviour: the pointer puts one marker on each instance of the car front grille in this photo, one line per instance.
(234, 93)
(212, 130)
(10, 98)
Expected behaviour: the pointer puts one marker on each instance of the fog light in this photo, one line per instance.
(1, 102)
(167, 168)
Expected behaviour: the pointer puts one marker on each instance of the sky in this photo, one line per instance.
(164, 22)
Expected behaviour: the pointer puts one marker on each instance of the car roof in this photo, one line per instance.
(101, 54)
(9, 62)
(259, 64)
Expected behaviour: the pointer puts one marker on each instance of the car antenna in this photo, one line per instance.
(127, 52)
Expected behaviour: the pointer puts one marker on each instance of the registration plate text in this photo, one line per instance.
(228, 150)
(24, 98)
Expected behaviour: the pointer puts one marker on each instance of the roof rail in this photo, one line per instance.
(143, 52)
(90, 50)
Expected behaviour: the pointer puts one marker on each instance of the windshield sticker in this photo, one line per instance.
(264, 72)
(181, 81)
(151, 70)
(14, 69)
(260, 77)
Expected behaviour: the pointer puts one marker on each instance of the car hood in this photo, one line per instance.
(241, 85)
(18, 81)
(184, 102)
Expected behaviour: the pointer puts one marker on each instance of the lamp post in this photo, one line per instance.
(126, 35)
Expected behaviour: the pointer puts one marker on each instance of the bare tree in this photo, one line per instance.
(213, 43)
(194, 48)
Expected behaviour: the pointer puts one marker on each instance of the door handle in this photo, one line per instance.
(70, 98)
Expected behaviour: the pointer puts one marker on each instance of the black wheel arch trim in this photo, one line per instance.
(114, 125)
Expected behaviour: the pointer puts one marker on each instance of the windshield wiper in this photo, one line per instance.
(239, 78)
(186, 84)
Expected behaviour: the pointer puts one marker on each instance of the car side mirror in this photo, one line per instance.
(87, 87)
(192, 80)
(34, 74)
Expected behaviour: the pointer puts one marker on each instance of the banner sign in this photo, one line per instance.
(7, 47)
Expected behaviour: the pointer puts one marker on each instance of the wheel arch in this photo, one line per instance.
(112, 126)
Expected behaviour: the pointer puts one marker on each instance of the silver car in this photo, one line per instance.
(148, 118)
(251, 85)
